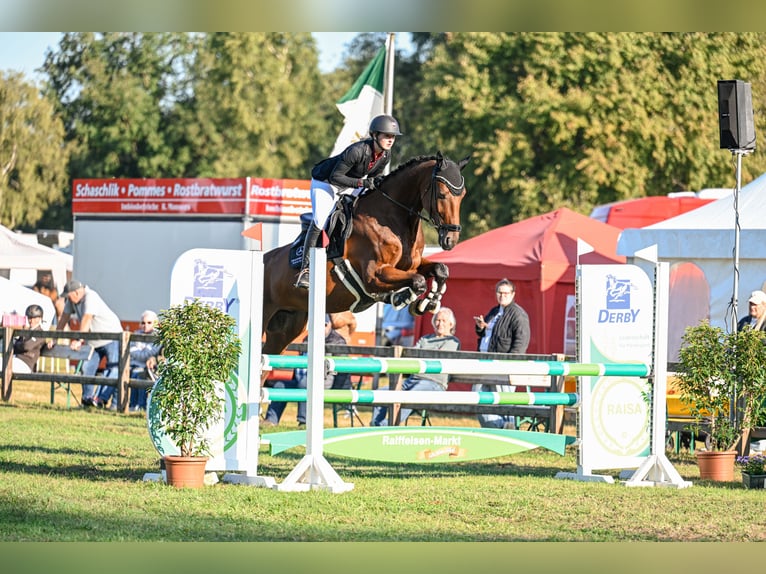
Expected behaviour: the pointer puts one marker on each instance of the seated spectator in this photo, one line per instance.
(143, 359)
(300, 380)
(26, 348)
(443, 338)
(344, 323)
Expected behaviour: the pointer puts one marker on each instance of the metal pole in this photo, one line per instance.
(734, 298)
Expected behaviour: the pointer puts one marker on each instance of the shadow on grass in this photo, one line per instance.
(58, 461)
(360, 468)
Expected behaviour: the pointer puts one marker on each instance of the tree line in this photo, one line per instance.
(551, 119)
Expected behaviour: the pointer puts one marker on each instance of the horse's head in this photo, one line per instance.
(447, 192)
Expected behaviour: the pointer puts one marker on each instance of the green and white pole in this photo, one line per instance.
(368, 365)
(423, 397)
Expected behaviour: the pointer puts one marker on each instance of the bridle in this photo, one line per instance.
(434, 218)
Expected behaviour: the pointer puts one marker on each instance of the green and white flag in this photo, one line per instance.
(362, 102)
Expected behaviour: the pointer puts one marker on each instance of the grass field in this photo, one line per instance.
(76, 475)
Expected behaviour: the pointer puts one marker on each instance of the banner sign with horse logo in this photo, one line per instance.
(616, 326)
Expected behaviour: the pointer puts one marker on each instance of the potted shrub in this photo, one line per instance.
(722, 380)
(753, 470)
(201, 348)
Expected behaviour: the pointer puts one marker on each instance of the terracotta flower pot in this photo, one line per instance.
(185, 471)
(716, 465)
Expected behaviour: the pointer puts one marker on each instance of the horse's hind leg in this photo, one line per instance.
(282, 329)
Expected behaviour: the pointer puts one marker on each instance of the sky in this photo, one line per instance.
(25, 51)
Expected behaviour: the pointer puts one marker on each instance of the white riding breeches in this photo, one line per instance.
(323, 197)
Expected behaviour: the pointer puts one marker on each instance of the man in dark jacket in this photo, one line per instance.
(355, 167)
(506, 326)
(505, 329)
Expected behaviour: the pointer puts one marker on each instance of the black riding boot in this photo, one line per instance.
(311, 240)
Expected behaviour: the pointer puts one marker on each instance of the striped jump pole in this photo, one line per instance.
(405, 366)
(423, 397)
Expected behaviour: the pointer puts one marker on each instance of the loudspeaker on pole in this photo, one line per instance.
(735, 115)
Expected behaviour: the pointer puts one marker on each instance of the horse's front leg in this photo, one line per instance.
(405, 286)
(432, 301)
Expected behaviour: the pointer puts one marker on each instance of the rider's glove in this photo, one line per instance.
(372, 182)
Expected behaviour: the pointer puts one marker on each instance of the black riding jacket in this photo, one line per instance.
(349, 167)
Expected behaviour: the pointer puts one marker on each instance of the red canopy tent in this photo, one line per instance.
(539, 255)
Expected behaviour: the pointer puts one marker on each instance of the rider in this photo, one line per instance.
(355, 167)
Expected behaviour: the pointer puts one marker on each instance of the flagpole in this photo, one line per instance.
(388, 82)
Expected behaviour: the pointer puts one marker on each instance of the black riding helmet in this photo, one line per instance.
(385, 124)
(34, 311)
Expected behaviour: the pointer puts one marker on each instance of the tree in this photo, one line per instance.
(114, 91)
(33, 155)
(254, 107)
(576, 120)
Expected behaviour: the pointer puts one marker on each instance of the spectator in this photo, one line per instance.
(344, 323)
(94, 315)
(26, 348)
(397, 326)
(299, 381)
(443, 339)
(46, 285)
(143, 359)
(505, 330)
(757, 316)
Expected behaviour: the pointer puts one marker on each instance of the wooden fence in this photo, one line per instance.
(62, 353)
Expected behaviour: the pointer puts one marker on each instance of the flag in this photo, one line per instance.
(362, 102)
(583, 247)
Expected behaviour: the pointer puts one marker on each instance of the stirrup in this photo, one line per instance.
(303, 279)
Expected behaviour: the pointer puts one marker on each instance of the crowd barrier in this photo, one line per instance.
(67, 376)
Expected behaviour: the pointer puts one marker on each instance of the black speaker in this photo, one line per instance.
(735, 115)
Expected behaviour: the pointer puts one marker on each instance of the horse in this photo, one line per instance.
(382, 258)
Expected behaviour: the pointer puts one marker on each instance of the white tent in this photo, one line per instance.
(15, 298)
(22, 259)
(699, 245)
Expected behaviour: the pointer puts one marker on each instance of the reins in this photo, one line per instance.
(433, 213)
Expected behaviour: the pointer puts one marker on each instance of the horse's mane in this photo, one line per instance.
(414, 160)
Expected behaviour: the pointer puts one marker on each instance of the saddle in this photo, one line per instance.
(338, 228)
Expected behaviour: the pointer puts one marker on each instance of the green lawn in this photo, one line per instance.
(75, 475)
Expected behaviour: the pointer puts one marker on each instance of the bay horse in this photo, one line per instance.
(382, 258)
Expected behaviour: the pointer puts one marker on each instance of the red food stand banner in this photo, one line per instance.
(159, 196)
(265, 199)
(283, 199)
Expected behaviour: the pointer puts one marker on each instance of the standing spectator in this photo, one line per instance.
(299, 381)
(143, 359)
(504, 330)
(757, 316)
(26, 348)
(443, 339)
(94, 315)
(46, 285)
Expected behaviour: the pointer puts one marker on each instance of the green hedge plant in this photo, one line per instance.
(718, 370)
(201, 348)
